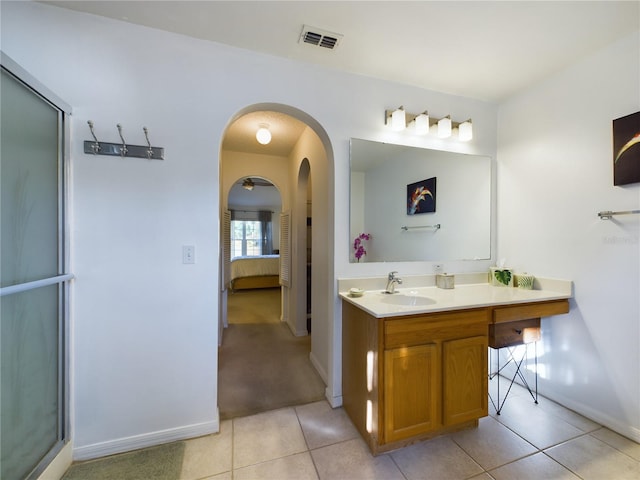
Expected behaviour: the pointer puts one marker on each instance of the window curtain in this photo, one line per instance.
(264, 216)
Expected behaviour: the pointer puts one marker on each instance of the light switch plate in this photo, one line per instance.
(188, 254)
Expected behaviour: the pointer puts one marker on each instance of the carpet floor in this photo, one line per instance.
(261, 305)
(262, 365)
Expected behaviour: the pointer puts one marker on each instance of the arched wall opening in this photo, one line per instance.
(310, 157)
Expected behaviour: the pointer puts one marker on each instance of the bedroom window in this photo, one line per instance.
(245, 238)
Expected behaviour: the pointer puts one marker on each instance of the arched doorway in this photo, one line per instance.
(291, 169)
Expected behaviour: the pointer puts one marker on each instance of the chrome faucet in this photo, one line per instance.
(391, 283)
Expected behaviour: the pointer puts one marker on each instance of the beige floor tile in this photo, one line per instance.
(438, 459)
(266, 436)
(593, 459)
(208, 455)
(619, 442)
(567, 415)
(492, 444)
(535, 425)
(222, 476)
(323, 425)
(294, 467)
(535, 467)
(351, 460)
(482, 476)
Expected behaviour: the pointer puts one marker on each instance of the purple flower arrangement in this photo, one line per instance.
(358, 245)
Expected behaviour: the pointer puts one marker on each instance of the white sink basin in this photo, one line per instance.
(406, 300)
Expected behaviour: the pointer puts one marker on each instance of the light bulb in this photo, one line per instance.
(422, 124)
(444, 127)
(465, 131)
(263, 135)
(398, 120)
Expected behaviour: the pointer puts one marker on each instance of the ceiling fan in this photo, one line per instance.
(248, 183)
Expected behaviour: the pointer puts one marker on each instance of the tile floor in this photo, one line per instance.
(313, 441)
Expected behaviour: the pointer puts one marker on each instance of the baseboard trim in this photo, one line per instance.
(596, 416)
(599, 417)
(335, 402)
(59, 465)
(319, 369)
(151, 439)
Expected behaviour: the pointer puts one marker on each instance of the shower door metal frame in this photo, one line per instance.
(63, 278)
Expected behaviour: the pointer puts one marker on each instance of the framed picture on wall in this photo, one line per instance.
(421, 197)
(626, 149)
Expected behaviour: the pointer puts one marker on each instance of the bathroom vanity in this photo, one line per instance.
(414, 364)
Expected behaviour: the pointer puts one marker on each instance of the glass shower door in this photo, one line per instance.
(32, 280)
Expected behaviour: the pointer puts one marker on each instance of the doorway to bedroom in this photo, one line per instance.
(264, 353)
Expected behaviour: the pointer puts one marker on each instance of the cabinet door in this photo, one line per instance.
(465, 380)
(411, 393)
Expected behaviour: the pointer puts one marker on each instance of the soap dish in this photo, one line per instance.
(356, 292)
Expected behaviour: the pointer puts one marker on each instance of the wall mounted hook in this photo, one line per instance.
(95, 146)
(123, 149)
(150, 149)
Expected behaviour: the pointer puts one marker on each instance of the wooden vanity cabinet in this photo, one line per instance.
(427, 374)
(411, 391)
(406, 378)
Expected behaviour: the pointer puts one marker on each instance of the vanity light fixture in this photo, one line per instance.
(422, 123)
(248, 184)
(263, 135)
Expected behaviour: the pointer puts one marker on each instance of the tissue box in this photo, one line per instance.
(501, 277)
(525, 280)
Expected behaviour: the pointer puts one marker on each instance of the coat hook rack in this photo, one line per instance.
(121, 149)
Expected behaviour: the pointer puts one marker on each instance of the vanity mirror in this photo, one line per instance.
(404, 227)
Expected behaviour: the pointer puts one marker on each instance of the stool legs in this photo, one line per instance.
(518, 373)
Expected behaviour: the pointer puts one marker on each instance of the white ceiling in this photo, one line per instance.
(487, 50)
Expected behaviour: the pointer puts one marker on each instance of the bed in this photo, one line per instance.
(255, 272)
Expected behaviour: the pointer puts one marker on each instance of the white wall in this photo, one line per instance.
(554, 174)
(144, 326)
(463, 208)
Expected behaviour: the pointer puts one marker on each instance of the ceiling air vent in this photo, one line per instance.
(319, 37)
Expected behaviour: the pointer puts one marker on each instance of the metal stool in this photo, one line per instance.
(510, 335)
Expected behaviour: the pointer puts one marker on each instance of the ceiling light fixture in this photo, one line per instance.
(248, 184)
(263, 135)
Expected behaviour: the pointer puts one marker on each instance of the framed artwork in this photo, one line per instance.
(421, 197)
(626, 149)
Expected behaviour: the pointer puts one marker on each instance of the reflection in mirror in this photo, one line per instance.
(419, 204)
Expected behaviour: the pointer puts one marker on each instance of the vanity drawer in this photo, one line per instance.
(529, 310)
(509, 334)
(419, 330)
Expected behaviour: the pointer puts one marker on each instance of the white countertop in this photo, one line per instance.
(466, 296)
